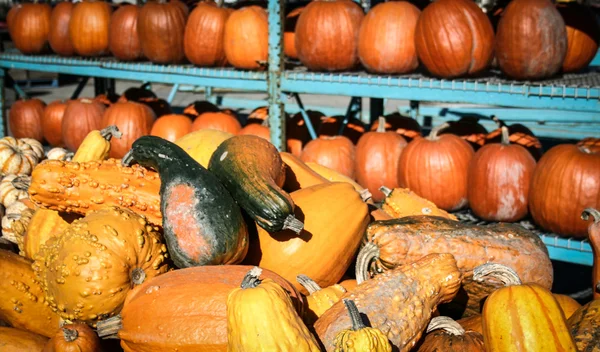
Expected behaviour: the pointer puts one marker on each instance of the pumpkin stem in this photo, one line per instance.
(357, 323)
(109, 328)
(505, 135)
(70, 334)
(365, 195)
(252, 278)
(85, 100)
(365, 256)
(309, 284)
(111, 131)
(291, 223)
(448, 324)
(498, 122)
(497, 271)
(21, 182)
(138, 275)
(381, 124)
(386, 191)
(585, 149)
(585, 215)
(433, 135)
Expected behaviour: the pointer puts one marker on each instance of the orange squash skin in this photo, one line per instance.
(15, 340)
(298, 175)
(74, 338)
(567, 304)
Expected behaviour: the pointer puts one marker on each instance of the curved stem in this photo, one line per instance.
(365, 195)
(366, 255)
(21, 183)
(291, 223)
(505, 135)
(252, 278)
(138, 275)
(447, 324)
(219, 3)
(265, 122)
(70, 334)
(127, 158)
(433, 135)
(386, 191)
(109, 328)
(357, 323)
(111, 131)
(585, 215)
(309, 284)
(497, 271)
(381, 124)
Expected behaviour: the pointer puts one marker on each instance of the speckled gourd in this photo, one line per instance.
(19, 156)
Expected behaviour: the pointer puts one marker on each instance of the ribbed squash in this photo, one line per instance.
(401, 202)
(23, 304)
(334, 219)
(299, 175)
(584, 325)
(261, 317)
(319, 299)
(201, 144)
(96, 145)
(74, 338)
(44, 224)
(567, 304)
(360, 337)
(445, 334)
(399, 302)
(82, 187)
(16, 219)
(15, 340)
(87, 271)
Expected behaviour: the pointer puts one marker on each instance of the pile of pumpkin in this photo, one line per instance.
(232, 245)
(534, 39)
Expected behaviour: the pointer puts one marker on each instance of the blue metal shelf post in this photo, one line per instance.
(276, 67)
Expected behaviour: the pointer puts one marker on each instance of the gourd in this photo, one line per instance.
(201, 144)
(72, 187)
(123, 37)
(80, 118)
(96, 145)
(72, 338)
(16, 219)
(201, 222)
(52, 118)
(151, 316)
(172, 127)
(43, 225)
(319, 299)
(253, 172)
(398, 242)
(24, 305)
(30, 27)
(217, 121)
(298, 175)
(15, 340)
(58, 37)
(445, 334)
(594, 238)
(87, 271)
(19, 156)
(59, 154)
(399, 302)
(337, 153)
(246, 38)
(160, 28)
(401, 202)
(13, 188)
(88, 28)
(584, 325)
(203, 37)
(519, 316)
(567, 304)
(25, 118)
(360, 337)
(132, 119)
(246, 333)
(348, 284)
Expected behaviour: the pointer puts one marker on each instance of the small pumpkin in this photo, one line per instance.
(201, 144)
(15, 340)
(217, 121)
(15, 221)
(89, 26)
(260, 130)
(30, 28)
(445, 334)
(401, 202)
(96, 145)
(246, 38)
(337, 153)
(583, 36)
(25, 119)
(171, 127)
(289, 33)
(80, 118)
(133, 120)
(123, 37)
(469, 129)
(59, 154)
(13, 188)
(331, 126)
(594, 238)
(203, 37)
(319, 299)
(74, 337)
(52, 121)
(160, 27)
(19, 156)
(58, 37)
(297, 132)
(360, 337)
(584, 325)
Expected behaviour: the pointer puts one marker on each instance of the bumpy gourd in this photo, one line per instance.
(44, 224)
(261, 317)
(594, 238)
(87, 271)
(360, 338)
(96, 145)
(584, 325)
(319, 299)
(401, 202)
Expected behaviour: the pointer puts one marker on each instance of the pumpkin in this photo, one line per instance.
(199, 107)
(289, 33)
(331, 126)
(531, 40)
(296, 131)
(80, 118)
(377, 156)
(518, 134)
(246, 38)
(217, 121)
(405, 126)
(59, 154)
(98, 268)
(258, 115)
(171, 127)
(74, 337)
(202, 291)
(52, 121)
(15, 340)
(567, 304)
(519, 316)
(203, 38)
(13, 188)
(454, 38)
(327, 35)
(386, 41)
(401, 202)
(594, 238)
(591, 143)
(360, 337)
(260, 130)
(469, 129)
(107, 99)
(565, 182)
(201, 144)
(25, 119)
(24, 306)
(123, 37)
(96, 145)
(445, 334)
(443, 163)
(337, 153)
(58, 37)
(584, 325)
(16, 220)
(30, 28)
(274, 303)
(397, 242)
(19, 156)
(412, 290)
(133, 120)
(319, 299)
(89, 26)
(43, 225)
(10, 17)
(161, 26)
(499, 180)
(583, 36)
(334, 219)
(137, 94)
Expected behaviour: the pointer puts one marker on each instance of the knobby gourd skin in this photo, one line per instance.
(399, 302)
(359, 337)
(401, 202)
(44, 224)
(202, 224)
(584, 325)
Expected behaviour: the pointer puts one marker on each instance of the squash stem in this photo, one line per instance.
(381, 124)
(109, 328)
(309, 284)
(70, 334)
(138, 275)
(110, 131)
(498, 122)
(585, 149)
(434, 134)
(365, 256)
(357, 323)
(585, 215)
(505, 135)
(252, 278)
(496, 271)
(448, 324)
(291, 223)
(386, 191)
(127, 158)
(365, 195)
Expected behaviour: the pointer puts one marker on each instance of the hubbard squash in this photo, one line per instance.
(399, 302)
(74, 338)
(334, 219)
(401, 202)
(202, 224)
(201, 144)
(96, 145)
(584, 325)
(319, 299)
(44, 224)
(265, 297)
(15, 340)
(360, 337)
(445, 334)
(594, 238)
(398, 242)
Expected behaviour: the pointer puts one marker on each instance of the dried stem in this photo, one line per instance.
(496, 271)
(252, 278)
(309, 284)
(585, 215)
(366, 255)
(434, 134)
(447, 324)
(357, 323)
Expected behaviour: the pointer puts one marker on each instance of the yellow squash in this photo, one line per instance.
(360, 338)
(334, 176)
(401, 202)
(96, 145)
(201, 144)
(319, 299)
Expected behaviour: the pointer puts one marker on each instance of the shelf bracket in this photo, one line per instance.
(275, 68)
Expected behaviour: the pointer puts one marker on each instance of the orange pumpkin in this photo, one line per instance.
(133, 120)
(74, 338)
(80, 118)
(30, 28)
(297, 131)
(161, 26)
(257, 129)
(330, 126)
(25, 119)
(246, 38)
(52, 122)
(88, 28)
(289, 33)
(123, 38)
(59, 29)
(405, 126)
(217, 121)
(337, 153)
(203, 38)
(582, 36)
(171, 127)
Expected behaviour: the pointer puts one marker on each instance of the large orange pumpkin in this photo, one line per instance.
(217, 121)
(88, 28)
(80, 118)
(133, 120)
(203, 38)
(160, 28)
(565, 182)
(582, 36)
(52, 122)
(10, 17)
(531, 39)
(59, 29)
(289, 33)
(171, 127)
(246, 38)
(337, 153)
(30, 28)
(386, 41)
(436, 168)
(327, 35)
(25, 119)
(123, 38)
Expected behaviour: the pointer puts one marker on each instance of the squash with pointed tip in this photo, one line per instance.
(319, 299)
(401, 202)
(360, 337)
